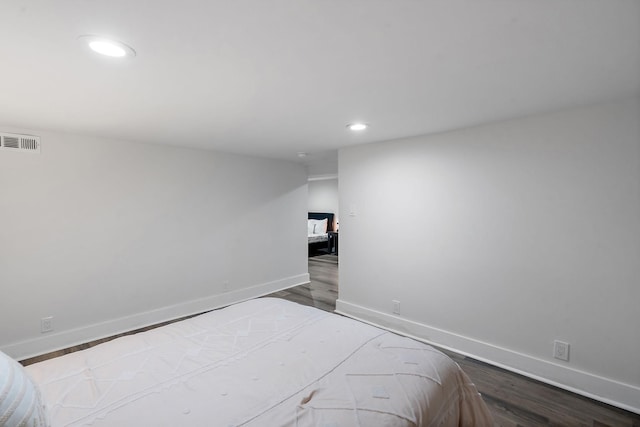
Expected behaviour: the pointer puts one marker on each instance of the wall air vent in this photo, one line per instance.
(15, 142)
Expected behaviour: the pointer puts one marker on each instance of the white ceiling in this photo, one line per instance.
(275, 77)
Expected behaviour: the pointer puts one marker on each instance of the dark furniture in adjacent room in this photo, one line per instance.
(320, 242)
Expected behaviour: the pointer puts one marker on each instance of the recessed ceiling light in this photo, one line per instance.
(108, 47)
(357, 126)
(302, 154)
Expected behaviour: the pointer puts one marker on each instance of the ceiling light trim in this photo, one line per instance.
(106, 46)
(357, 126)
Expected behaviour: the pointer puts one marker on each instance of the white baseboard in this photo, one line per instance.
(64, 339)
(612, 392)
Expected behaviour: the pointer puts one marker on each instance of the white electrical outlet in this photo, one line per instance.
(561, 350)
(396, 307)
(46, 324)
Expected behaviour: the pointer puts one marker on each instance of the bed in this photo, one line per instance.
(319, 224)
(263, 362)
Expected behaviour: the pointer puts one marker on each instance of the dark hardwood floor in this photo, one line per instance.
(514, 400)
(322, 291)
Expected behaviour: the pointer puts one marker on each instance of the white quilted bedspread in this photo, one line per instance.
(264, 362)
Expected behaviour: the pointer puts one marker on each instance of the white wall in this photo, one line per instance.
(322, 164)
(106, 236)
(499, 239)
(323, 196)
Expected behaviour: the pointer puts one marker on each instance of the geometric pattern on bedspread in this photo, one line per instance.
(265, 362)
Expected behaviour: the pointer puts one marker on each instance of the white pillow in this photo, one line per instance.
(311, 226)
(320, 226)
(20, 399)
